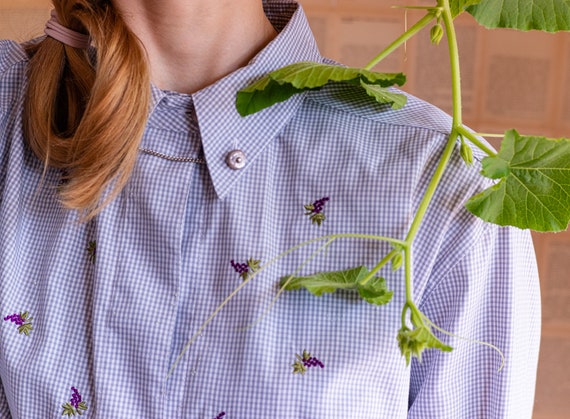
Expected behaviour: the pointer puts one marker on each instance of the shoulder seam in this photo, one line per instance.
(11, 57)
(358, 115)
(11, 53)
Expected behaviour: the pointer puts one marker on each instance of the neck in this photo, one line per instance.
(193, 43)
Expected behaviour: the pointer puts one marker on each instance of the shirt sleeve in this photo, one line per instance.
(491, 295)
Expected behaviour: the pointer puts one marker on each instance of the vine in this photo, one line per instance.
(546, 194)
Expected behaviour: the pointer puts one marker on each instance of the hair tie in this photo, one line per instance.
(57, 31)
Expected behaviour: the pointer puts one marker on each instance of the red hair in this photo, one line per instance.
(85, 115)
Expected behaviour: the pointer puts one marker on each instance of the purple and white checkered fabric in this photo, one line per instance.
(114, 301)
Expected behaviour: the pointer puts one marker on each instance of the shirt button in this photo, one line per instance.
(235, 159)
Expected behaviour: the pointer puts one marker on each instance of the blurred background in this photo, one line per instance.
(510, 80)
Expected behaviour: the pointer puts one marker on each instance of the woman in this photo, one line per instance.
(135, 199)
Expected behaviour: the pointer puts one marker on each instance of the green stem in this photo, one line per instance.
(479, 342)
(456, 123)
(404, 312)
(391, 240)
(416, 7)
(408, 276)
(403, 38)
(486, 134)
(473, 139)
(430, 191)
(454, 62)
(449, 147)
(379, 266)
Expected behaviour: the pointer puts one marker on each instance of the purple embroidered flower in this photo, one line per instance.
(221, 415)
(23, 321)
(75, 398)
(305, 361)
(92, 250)
(315, 210)
(75, 404)
(244, 269)
(15, 318)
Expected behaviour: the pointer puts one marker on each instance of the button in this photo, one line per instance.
(235, 159)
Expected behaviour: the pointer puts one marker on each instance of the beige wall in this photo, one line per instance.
(509, 79)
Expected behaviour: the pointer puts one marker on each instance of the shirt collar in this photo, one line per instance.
(222, 129)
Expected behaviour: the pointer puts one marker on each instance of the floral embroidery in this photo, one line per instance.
(75, 404)
(244, 269)
(22, 320)
(92, 250)
(306, 361)
(221, 415)
(315, 210)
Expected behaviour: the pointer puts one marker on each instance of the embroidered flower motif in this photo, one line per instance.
(92, 250)
(23, 322)
(305, 361)
(221, 415)
(75, 404)
(244, 269)
(315, 210)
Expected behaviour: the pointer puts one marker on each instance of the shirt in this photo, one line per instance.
(110, 304)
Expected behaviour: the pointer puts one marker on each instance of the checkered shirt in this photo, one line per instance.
(114, 301)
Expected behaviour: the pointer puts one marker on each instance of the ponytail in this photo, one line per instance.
(83, 115)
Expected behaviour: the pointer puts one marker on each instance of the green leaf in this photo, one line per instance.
(374, 291)
(262, 94)
(310, 75)
(544, 15)
(413, 342)
(281, 84)
(325, 282)
(458, 6)
(383, 95)
(534, 190)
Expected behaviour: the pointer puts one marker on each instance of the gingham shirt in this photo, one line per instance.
(112, 302)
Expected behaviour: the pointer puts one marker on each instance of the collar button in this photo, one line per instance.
(235, 159)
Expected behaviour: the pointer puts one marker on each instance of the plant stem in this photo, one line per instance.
(454, 62)
(408, 275)
(403, 315)
(429, 323)
(430, 15)
(379, 266)
(448, 150)
(473, 139)
(456, 121)
(486, 134)
(430, 191)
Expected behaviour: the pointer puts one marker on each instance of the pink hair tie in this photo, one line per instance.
(57, 31)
